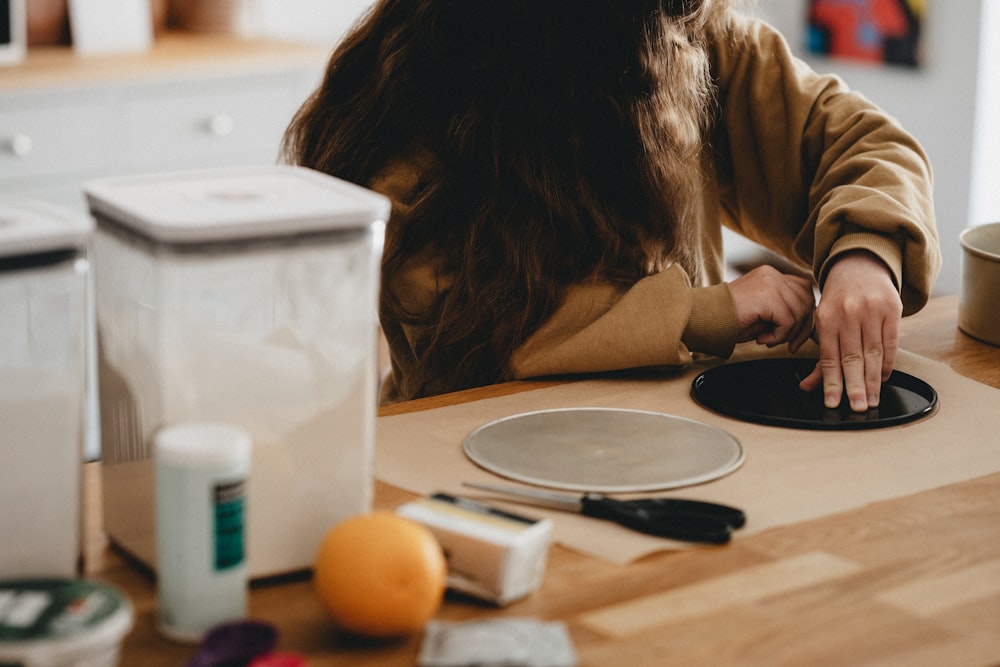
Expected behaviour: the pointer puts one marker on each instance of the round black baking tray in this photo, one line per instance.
(766, 391)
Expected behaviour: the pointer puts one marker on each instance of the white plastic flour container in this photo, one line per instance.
(43, 323)
(247, 297)
(56, 622)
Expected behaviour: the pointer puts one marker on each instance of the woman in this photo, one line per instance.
(561, 171)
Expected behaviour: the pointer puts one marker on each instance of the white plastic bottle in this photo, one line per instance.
(201, 475)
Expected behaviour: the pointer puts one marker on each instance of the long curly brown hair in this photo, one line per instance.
(566, 135)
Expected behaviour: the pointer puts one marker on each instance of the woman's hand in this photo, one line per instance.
(773, 307)
(857, 322)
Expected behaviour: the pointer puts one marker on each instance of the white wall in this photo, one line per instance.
(943, 104)
(322, 21)
(986, 149)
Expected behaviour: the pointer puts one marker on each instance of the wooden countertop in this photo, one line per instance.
(910, 581)
(173, 54)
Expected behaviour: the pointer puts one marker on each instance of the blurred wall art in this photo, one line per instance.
(875, 31)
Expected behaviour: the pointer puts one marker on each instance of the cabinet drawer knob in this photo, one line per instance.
(221, 125)
(19, 145)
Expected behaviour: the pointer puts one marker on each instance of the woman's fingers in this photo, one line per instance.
(773, 308)
(857, 321)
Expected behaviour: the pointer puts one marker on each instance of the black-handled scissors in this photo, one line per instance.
(675, 518)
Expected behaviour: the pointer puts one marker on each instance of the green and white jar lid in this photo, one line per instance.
(57, 622)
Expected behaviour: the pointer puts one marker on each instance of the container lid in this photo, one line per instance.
(238, 203)
(30, 227)
(52, 621)
(195, 444)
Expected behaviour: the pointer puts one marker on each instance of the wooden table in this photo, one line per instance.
(910, 581)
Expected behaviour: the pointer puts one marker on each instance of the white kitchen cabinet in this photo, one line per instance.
(193, 101)
(52, 134)
(172, 125)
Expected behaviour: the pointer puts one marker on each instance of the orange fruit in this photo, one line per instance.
(380, 574)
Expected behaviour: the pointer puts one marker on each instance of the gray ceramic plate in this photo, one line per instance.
(604, 450)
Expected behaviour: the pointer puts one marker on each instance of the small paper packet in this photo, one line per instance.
(500, 642)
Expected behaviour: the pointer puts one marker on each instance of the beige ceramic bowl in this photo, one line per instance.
(979, 301)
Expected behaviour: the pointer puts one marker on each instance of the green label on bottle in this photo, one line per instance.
(229, 523)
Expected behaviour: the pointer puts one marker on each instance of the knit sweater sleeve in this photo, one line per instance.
(657, 321)
(812, 170)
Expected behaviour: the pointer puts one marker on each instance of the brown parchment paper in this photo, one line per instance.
(789, 476)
